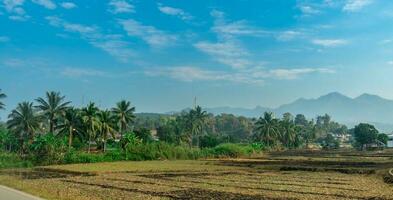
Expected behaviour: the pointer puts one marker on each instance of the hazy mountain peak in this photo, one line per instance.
(367, 96)
(334, 95)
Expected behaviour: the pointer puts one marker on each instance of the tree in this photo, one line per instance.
(52, 107)
(89, 117)
(24, 121)
(309, 132)
(301, 120)
(365, 134)
(70, 123)
(267, 128)
(2, 96)
(383, 138)
(106, 125)
(288, 135)
(124, 114)
(195, 122)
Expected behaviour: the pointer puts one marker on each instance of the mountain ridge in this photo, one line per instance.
(363, 108)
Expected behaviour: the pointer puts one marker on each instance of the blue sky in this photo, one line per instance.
(160, 54)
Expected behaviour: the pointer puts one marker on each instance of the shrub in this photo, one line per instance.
(47, 149)
(232, 150)
(12, 160)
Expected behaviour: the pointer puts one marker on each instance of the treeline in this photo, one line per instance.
(50, 130)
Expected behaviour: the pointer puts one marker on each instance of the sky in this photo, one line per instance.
(161, 54)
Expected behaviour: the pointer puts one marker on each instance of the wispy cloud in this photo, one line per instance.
(49, 4)
(228, 53)
(150, 34)
(356, 5)
(110, 43)
(289, 74)
(121, 6)
(15, 9)
(288, 35)
(82, 72)
(250, 76)
(227, 29)
(329, 42)
(308, 10)
(68, 5)
(175, 12)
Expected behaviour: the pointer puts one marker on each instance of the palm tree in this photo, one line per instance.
(89, 117)
(268, 129)
(69, 124)
(288, 133)
(106, 124)
(52, 107)
(196, 121)
(2, 96)
(24, 120)
(124, 114)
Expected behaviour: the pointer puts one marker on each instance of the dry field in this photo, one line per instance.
(289, 175)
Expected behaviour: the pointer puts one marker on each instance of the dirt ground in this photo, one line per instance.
(285, 175)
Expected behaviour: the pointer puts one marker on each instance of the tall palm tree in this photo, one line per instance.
(124, 114)
(24, 120)
(196, 121)
(52, 107)
(2, 96)
(106, 125)
(69, 124)
(288, 136)
(89, 117)
(267, 129)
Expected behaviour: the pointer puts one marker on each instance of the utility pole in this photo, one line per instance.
(195, 102)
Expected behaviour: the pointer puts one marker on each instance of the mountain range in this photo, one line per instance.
(350, 111)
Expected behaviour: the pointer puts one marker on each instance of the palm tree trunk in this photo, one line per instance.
(70, 138)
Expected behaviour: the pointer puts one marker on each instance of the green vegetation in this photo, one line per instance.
(53, 132)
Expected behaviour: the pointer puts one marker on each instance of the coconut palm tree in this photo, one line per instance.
(89, 117)
(267, 129)
(2, 96)
(288, 129)
(106, 125)
(196, 121)
(24, 120)
(69, 124)
(124, 114)
(52, 107)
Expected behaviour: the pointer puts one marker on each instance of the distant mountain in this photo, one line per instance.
(364, 108)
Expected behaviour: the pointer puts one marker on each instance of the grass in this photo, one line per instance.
(262, 178)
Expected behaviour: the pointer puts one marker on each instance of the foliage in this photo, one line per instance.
(232, 150)
(383, 138)
(144, 134)
(124, 114)
(12, 160)
(209, 141)
(47, 149)
(365, 134)
(2, 96)
(130, 139)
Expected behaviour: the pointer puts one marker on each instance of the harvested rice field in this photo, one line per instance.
(284, 175)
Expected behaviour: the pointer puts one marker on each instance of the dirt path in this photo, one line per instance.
(7, 193)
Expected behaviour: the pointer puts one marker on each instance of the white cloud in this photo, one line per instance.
(229, 53)
(174, 12)
(112, 44)
(390, 62)
(356, 5)
(288, 35)
(15, 9)
(121, 6)
(249, 76)
(4, 39)
(49, 4)
(68, 5)
(308, 10)
(329, 42)
(149, 34)
(290, 74)
(226, 29)
(79, 72)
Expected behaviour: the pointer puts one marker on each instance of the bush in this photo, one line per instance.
(11, 160)
(232, 150)
(47, 149)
